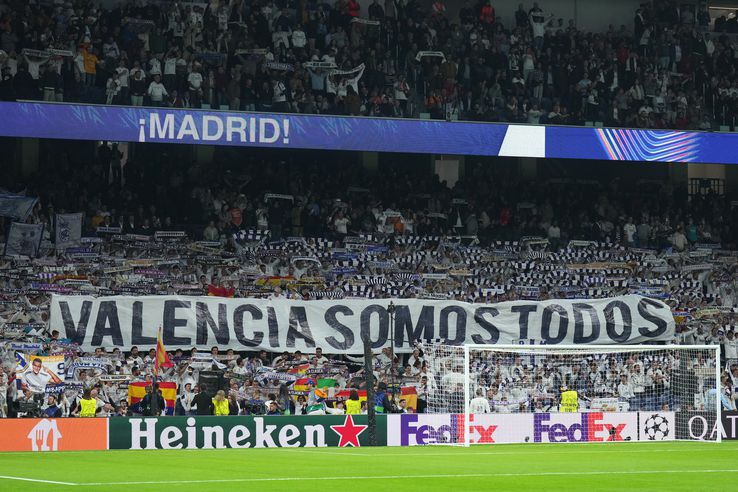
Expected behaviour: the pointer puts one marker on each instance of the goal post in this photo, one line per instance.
(579, 393)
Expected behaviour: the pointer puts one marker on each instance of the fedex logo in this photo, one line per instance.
(421, 429)
(588, 427)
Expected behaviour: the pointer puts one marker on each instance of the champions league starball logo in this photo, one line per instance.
(656, 427)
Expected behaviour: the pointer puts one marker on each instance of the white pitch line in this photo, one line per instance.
(506, 453)
(492, 453)
(37, 480)
(320, 451)
(391, 477)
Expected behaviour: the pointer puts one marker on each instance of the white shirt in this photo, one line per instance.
(170, 66)
(629, 230)
(539, 28)
(36, 382)
(625, 390)
(195, 80)
(123, 73)
(279, 93)
(186, 400)
(479, 405)
(111, 50)
(154, 66)
(731, 348)
(33, 67)
(157, 91)
(298, 38)
(341, 225)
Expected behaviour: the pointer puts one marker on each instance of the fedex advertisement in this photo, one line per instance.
(420, 429)
(423, 429)
(585, 427)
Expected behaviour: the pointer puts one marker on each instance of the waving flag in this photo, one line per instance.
(162, 358)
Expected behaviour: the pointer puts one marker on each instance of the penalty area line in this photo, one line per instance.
(37, 480)
(390, 477)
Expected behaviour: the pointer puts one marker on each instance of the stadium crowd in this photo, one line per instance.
(319, 235)
(665, 69)
(315, 230)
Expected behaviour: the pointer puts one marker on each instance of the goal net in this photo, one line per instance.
(540, 393)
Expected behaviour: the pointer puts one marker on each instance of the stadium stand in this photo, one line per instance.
(664, 70)
(332, 231)
(154, 223)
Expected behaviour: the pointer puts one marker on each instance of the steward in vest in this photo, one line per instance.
(382, 404)
(220, 404)
(87, 405)
(569, 400)
(353, 404)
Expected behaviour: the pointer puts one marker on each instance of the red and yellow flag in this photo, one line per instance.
(162, 358)
(137, 391)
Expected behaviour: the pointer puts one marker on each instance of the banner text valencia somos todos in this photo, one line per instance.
(337, 326)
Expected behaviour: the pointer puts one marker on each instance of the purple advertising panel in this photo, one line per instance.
(298, 131)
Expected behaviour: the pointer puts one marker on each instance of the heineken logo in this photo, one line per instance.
(238, 432)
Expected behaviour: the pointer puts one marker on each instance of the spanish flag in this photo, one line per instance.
(301, 384)
(137, 391)
(221, 291)
(162, 358)
(301, 369)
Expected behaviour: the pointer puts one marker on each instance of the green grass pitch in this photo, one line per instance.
(670, 466)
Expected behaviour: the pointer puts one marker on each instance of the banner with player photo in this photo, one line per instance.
(337, 325)
(40, 374)
(24, 239)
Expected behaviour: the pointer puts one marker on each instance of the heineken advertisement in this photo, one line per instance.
(243, 432)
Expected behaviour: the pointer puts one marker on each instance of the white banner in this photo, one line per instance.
(24, 239)
(68, 230)
(16, 206)
(336, 326)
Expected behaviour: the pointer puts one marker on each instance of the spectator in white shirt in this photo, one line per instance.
(110, 49)
(299, 40)
(479, 404)
(186, 398)
(279, 96)
(194, 80)
(123, 74)
(730, 347)
(340, 223)
(170, 69)
(629, 229)
(157, 92)
(320, 358)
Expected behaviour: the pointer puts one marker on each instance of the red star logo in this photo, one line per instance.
(349, 432)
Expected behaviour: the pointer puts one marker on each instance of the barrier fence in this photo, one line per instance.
(76, 434)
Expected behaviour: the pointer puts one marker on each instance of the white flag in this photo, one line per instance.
(68, 230)
(24, 239)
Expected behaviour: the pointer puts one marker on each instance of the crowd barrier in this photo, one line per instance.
(76, 434)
